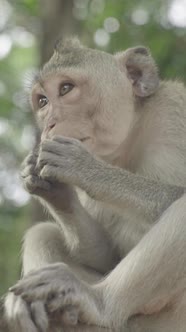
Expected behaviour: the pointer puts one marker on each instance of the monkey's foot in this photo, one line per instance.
(63, 294)
(23, 317)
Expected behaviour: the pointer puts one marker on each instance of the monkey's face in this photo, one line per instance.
(87, 95)
(74, 104)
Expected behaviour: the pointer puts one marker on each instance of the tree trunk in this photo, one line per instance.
(57, 22)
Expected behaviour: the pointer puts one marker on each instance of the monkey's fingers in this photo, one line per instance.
(34, 184)
(59, 144)
(66, 140)
(26, 286)
(38, 278)
(54, 294)
(30, 159)
(27, 283)
(18, 314)
(48, 158)
(37, 293)
(68, 315)
(39, 315)
(28, 170)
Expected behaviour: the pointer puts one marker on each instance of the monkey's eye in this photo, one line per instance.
(42, 101)
(65, 88)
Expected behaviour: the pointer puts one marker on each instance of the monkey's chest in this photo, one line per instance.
(124, 229)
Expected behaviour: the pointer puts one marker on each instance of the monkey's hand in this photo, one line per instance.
(33, 183)
(58, 194)
(66, 160)
(63, 295)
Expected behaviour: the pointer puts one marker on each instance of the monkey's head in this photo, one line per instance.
(91, 95)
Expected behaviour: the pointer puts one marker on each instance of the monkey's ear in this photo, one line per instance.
(141, 70)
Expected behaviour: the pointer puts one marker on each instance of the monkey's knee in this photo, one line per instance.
(170, 319)
(43, 244)
(42, 234)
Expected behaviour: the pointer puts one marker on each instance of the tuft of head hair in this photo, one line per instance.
(68, 52)
(67, 44)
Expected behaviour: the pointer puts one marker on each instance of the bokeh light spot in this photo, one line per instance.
(111, 24)
(5, 45)
(101, 37)
(97, 6)
(140, 16)
(177, 13)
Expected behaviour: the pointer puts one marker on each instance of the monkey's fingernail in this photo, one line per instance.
(11, 289)
(38, 166)
(14, 288)
(25, 297)
(70, 316)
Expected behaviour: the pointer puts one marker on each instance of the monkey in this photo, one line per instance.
(110, 169)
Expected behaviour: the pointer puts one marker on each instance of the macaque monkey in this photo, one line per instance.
(111, 170)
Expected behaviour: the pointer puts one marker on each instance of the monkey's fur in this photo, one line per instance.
(111, 171)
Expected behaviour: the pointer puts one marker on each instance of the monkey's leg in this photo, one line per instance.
(45, 244)
(171, 319)
(152, 277)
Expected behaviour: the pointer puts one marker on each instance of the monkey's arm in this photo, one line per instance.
(151, 279)
(66, 159)
(87, 240)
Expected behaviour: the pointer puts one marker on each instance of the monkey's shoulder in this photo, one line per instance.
(162, 145)
(169, 101)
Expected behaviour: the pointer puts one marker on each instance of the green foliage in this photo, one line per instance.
(29, 7)
(12, 226)
(166, 42)
(14, 116)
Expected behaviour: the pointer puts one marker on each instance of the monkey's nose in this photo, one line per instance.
(46, 131)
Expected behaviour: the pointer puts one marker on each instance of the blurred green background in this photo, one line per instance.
(28, 30)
